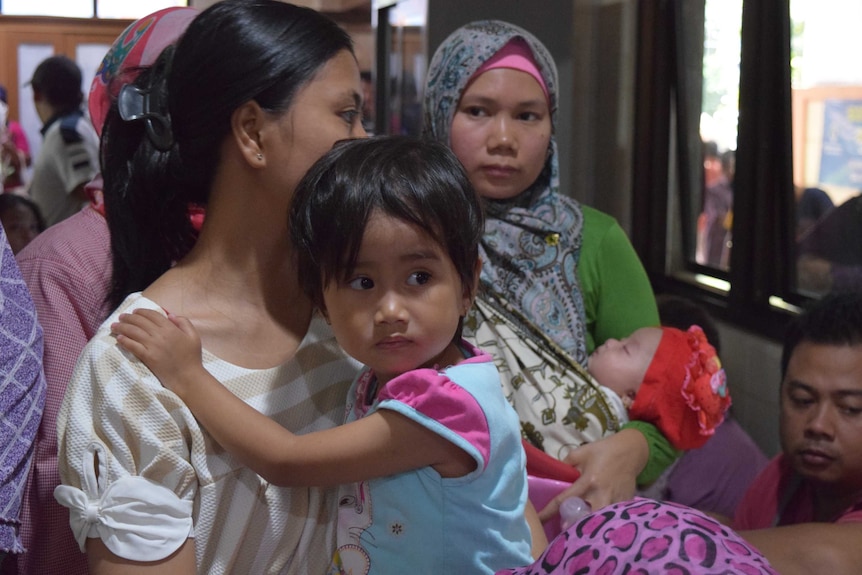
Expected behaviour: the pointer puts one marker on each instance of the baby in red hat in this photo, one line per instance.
(668, 377)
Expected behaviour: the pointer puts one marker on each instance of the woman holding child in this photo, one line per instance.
(558, 278)
(252, 95)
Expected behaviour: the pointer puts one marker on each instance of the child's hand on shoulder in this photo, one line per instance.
(169, 346)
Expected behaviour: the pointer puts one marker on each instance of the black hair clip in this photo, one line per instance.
(137, 104)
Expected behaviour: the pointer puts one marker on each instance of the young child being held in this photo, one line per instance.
(661, 375)
(430, 459)
(668, 377)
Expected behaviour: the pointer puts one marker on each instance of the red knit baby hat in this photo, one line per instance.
(684, 392)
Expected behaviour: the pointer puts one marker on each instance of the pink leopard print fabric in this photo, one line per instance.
(644, 537)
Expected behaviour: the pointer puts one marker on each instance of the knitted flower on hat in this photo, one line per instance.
(684, 392)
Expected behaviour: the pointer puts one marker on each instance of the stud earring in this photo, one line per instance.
(259, 157)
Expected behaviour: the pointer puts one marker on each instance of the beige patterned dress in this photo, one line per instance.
(142, 475)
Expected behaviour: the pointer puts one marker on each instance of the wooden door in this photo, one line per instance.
(27, 40)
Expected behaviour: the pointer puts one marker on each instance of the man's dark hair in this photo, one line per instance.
(58, 79)
(836, 319)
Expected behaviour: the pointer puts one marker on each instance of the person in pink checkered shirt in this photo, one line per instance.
(68, 271)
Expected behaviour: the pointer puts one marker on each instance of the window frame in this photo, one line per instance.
(759, 295)
(94, 4)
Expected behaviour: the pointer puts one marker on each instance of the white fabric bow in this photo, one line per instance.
(134, 517)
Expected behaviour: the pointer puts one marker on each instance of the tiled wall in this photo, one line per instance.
(753, 374)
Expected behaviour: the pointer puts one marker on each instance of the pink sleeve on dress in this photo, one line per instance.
(437, 397)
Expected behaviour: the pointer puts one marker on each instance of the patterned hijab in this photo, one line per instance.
(532, 242)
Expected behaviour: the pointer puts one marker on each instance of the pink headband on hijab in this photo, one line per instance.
(515, 55)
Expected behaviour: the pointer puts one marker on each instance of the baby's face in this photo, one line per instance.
(622, 364)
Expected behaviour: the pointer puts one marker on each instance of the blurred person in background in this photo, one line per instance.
(69, 157)
(68, 271)
(21, 219)
(15, 149)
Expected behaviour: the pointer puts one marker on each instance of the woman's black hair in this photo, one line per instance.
(233, 52)
(417, 181)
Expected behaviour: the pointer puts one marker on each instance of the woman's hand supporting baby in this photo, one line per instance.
(608, 468)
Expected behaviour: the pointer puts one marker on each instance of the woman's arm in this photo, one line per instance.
(661, 453)
(811, 548)
(618, 300)
(124, 453)
(381, 444)
(537, 531)
(618, 297)
(103, 562)
(613, 467)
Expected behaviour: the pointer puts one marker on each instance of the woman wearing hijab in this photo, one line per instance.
(558, 278)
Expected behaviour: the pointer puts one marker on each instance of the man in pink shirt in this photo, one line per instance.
(804, 511)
